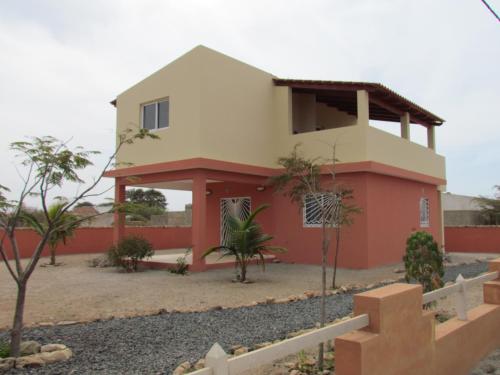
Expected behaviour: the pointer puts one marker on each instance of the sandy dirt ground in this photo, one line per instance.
(76, 292)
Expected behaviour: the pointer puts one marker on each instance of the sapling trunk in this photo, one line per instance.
(17, 326)
(52, 256)
(243, 276)
(324, 251)
(337, 248)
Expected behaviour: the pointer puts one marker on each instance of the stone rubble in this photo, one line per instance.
(35, 355)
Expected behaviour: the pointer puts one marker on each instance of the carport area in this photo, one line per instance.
(217, 187)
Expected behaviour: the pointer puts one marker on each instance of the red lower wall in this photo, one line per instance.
(98, 240)
(377, 237)
(480, 239)
(390, 213)
(393, 213)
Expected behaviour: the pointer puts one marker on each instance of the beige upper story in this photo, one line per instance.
(220, 108)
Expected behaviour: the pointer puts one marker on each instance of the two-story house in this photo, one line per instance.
(222, 126)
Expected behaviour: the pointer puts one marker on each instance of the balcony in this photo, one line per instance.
(323, 113)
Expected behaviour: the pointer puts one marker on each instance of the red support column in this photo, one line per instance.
(198, 226)
(119, 217)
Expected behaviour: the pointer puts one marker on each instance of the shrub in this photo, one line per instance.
(423, 261)
(4, 350)
(181, 267)
(129, 252)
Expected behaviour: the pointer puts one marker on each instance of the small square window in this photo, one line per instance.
(424, 212)
(155, 115)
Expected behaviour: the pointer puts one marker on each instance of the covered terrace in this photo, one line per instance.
(208, 180)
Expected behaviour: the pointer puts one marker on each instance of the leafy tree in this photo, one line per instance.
(423, 261)
(490, 207)
(49, 163)
(68, 224)
(246, 242)
(150, 198)
(302, 180)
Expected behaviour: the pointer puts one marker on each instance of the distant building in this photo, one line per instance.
(461, 210)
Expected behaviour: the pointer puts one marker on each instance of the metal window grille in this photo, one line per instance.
(239, 207)
(315, 204)
(424, 212)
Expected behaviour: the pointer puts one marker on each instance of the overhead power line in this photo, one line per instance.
(491, 10)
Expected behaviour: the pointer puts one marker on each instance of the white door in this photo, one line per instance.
(239, 207)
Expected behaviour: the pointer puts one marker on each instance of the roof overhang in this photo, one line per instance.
(385, 104)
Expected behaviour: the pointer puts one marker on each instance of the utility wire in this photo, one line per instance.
(491, 10)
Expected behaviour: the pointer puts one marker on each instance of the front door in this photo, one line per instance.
(239, 207)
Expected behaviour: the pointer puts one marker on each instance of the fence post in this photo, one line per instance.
(460, 299)
(491, 289)
(216, 360)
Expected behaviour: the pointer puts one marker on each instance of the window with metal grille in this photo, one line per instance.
(239, 207)
(424, 212)
(315, 204)
(155, 115)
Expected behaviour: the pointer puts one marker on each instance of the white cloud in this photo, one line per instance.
(62, 62)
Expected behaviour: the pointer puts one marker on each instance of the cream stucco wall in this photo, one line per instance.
(180, 83)
(389, 149)
(330, 117)
(223, 109)
(236, 111)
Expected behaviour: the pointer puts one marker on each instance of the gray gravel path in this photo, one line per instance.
(157, 344)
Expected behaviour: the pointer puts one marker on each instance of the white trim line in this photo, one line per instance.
(455, 288)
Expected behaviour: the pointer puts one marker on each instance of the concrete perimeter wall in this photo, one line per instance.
(99, 240)
(473, 239)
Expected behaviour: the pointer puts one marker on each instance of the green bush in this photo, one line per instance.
(181, 267)
(4, 350)
(129, 252)
(424, 261)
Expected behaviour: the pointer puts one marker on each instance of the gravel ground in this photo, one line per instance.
(467, 271)
(75, 291)
(157, 344)
(489, 366)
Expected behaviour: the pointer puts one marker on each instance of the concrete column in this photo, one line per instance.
(119, 217)
(491, 289)
(405, 126)
(440, 192)
(398, 339)
(199, 218)
(363, 106)
(431, 138)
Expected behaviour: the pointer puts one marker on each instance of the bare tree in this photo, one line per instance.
(49, 164)
(490, 207)
(301, 182)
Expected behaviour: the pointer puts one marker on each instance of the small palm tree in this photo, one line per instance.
(64, 225)
(246, 242)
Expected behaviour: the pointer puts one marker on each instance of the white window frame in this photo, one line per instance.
(304, 213)
(156, 103)
(424, 212)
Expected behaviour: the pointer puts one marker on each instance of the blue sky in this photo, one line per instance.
(62, 62)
